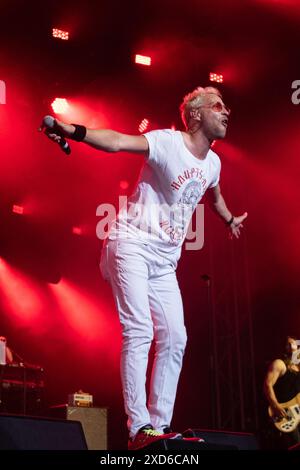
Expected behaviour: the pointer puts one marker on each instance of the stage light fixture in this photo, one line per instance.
(59, 34)
(216, 77)
(2, 92)
(124, 184)
(77, 230)
(143, 125)
(18, 209)
(60, 105)
(142, 59)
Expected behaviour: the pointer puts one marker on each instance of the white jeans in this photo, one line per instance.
(149, 303)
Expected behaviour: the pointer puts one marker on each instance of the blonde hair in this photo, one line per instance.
(195, 99)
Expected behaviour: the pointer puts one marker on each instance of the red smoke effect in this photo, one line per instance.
(88, 317)
(21, 297)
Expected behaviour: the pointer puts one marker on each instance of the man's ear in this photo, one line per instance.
(195, 114)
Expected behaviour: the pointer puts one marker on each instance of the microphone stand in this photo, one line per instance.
(213, 356)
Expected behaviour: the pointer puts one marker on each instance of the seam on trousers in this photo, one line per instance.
(163, 311)
(120, 308)
(126, 385)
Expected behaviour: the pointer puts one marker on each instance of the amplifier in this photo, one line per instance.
(93, 420)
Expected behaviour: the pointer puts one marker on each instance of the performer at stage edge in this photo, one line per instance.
(282, 385)
(140, 255)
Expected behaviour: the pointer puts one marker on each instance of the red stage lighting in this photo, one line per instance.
(142, 59)
(2, 92)
(83, 313)
(143, 125)
(58, 33)
(124, 184)
(18, 209)
(20, 296)
(60, 105)
(216, 77)
(77, 230)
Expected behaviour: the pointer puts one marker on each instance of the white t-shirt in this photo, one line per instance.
(170, 185)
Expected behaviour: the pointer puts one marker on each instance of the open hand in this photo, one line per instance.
(236, 225)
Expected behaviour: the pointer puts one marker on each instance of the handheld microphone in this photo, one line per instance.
(50, 124)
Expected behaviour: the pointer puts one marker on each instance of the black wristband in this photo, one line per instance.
(79, 133)
(230, 221)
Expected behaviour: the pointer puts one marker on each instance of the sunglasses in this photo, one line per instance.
(218, 107)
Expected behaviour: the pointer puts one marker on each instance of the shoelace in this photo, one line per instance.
(151, 432)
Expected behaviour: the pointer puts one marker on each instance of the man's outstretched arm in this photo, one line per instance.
(218, 205)
(102, 139)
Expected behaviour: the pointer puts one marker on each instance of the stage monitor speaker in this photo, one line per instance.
(240, 440)
(184, 444)
(32, 433)
(93, 420)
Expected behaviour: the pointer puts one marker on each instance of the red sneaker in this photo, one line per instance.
(146, 436)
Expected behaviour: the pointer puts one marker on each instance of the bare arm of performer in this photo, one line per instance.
(103, 139)
(276, 370)
(112, 141)
(218, 205)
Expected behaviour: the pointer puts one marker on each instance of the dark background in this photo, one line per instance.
(71, 328)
